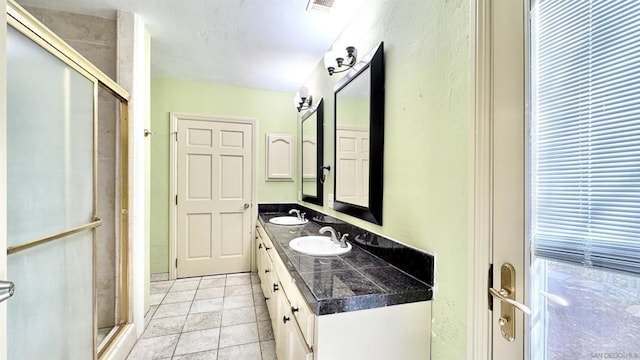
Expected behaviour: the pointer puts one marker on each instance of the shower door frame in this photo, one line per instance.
(25, 23)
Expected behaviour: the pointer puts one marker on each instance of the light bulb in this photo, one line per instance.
(303, 92)
(330, 60)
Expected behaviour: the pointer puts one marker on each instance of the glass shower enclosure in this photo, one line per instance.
(52, 197)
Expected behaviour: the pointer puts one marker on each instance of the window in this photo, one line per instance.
(585, 179)
(586, 132)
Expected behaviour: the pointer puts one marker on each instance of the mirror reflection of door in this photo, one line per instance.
(353, 165)
(312, 145)
(352, 141)
(309, 155)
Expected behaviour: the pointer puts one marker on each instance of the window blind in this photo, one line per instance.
(585, 132)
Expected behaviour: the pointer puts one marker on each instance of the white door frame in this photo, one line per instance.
(481, 183)
(173, 180)
(3, 174)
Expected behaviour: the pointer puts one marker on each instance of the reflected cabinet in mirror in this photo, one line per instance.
(312, 154)
(359, 139)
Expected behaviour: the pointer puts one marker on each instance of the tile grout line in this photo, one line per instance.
(155, 310)
(225, 294)
(173, 354)
(221, 317)
(255, 311)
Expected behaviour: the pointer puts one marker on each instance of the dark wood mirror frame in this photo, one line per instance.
(375, 62)
(318, 110)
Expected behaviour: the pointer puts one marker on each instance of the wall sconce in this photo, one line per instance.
(335, 60)
(302, 100)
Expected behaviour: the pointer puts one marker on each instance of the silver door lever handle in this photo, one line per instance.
(6, 290)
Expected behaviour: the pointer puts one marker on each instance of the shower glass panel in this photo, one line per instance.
(51, 314)
(50, 143)
(50, 154)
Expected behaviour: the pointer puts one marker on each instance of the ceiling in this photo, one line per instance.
(267, 44)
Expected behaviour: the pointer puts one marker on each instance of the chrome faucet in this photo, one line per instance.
(334, 233)
(343, 240)
(297, 212)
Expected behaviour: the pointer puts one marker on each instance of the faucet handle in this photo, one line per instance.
(343, 240)
(302, 216)
(336, 238)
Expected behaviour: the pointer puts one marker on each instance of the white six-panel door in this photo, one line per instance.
(352, 163)
(214, 196)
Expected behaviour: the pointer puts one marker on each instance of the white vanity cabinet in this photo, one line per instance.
(290, 343)
(400, 331)
(278, 288)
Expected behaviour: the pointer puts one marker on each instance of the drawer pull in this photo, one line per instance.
(285, 319)
(266, 298)
(294, 309)
(267, 248)
(260, 246)
(275, 287)
(266, 271)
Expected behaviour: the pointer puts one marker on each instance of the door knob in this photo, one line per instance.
(6, 290)
(246, 205)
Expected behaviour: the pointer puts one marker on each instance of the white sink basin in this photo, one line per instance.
(287, 220)
(317, 246)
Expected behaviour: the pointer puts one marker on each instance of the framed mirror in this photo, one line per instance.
(359, 139)
(312, 154)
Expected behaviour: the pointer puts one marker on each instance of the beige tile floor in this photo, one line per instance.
(212, 317)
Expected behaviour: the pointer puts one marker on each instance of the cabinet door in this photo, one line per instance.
(259, 248)
(264, 269)
(290, 344)
(280, 164)
(304, 317)
(298, 349)
(271, 289)
(280, 328)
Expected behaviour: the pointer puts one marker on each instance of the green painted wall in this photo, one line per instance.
(426, 180)
(273, 110)
(427, 117)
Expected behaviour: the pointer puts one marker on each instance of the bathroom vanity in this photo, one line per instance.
(352, 306)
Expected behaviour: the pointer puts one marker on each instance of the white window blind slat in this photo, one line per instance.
(585, 132)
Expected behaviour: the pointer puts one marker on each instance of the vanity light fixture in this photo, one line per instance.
(302, 100)
(338, 59)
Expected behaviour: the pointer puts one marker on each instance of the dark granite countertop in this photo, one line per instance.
(354, 281)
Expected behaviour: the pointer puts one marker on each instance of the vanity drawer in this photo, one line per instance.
(283, 274)
(263, 235)
(303, 315)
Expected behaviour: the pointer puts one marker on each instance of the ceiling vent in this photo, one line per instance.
(320, 5)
